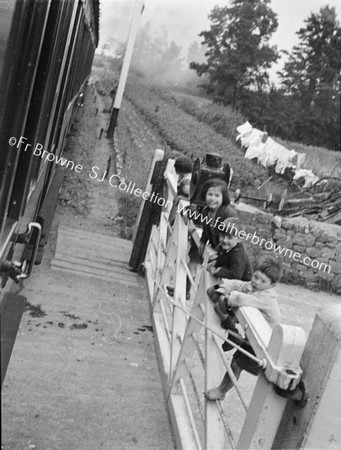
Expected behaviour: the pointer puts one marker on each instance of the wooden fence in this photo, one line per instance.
(189, 339)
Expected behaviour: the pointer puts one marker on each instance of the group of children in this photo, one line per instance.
(240, 285)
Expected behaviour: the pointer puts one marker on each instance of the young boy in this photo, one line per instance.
(260, 294)
(231, 262)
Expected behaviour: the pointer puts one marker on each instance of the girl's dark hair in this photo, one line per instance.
(219, 183)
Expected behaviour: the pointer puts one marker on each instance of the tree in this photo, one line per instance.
(314, 67)
(238, 50)
(312, 77)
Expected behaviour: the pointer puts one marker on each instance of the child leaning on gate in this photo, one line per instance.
(231, 261)
(259, 293)
(218, 207)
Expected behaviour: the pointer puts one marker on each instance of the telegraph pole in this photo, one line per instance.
(138, 9)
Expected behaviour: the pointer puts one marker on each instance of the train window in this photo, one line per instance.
(65, 81)
(40, 108)
(24, 40)
(52, 42)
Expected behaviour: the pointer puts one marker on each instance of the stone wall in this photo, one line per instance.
(301, 238)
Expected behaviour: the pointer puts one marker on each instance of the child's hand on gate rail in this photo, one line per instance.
(212, 258)
(211, 268)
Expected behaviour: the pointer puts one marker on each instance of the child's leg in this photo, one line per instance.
(222, 316)
(225, 385)
(228, 321)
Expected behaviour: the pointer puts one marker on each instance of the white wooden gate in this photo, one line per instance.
(189, 338)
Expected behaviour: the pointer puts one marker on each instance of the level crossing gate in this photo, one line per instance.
(189, 339)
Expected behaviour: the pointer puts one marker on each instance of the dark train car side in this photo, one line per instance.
(46, 53)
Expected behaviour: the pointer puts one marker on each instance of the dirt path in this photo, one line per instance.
(95, 208)
(103, 206)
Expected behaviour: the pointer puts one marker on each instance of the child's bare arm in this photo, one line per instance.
(213, 257)
(228, 285)
(237, 299)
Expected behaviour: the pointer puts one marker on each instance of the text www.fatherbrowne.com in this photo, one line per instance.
(256, 240)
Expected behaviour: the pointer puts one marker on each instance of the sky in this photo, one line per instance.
(183, 20)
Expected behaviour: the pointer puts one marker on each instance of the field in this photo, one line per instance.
(184, 132)
(195, 126)
(322, 161)
(151, 118)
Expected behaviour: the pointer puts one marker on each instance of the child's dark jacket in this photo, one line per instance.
(235, 264)
(211, 231)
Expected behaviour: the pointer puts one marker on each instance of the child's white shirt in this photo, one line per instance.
(241, 294)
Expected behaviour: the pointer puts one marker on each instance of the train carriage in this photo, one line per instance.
(46, 53)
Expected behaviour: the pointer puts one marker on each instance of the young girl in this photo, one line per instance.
(218, 208)
(215, 194)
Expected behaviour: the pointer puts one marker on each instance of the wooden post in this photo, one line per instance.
(138, 9)
(318, 425)
(179, 318)
(158, 156)
(214, 429)
(266, 407)
(169, 196)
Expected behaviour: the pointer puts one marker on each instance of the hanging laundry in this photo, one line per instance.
(244, 129)
(270, 153)
(252, 138)
(254, 151)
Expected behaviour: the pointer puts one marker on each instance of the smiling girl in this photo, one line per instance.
(218, 207)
